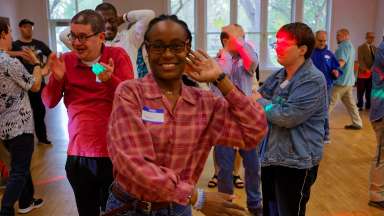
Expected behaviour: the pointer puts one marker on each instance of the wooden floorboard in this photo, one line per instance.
(341, 188)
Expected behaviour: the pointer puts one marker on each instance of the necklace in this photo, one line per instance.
(168, 92)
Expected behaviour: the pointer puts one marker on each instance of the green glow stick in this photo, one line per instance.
(98, 69)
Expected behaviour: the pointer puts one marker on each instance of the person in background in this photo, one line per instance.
(376, 178)
(129, 38)
(238, 60)
(295, 102)
(16, 124)
(161, 131)
(42, 52)
(88, 98)
(327, 63)
(345, 54)
(366, 57)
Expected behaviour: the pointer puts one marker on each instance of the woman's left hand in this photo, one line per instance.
(201, 67)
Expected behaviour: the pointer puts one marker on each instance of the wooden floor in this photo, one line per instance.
(341, 188)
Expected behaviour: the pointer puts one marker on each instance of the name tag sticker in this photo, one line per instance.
(152, 115)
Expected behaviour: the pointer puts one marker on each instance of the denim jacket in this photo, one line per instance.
(296, 112)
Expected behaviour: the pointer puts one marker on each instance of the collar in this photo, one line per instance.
(102, 58)
(151, 90)
(281, 74)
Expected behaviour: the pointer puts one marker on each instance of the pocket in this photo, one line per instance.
(180, 210)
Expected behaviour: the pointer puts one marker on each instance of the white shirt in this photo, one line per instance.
(128, 39)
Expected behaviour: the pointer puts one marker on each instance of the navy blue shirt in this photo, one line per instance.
(326, 61)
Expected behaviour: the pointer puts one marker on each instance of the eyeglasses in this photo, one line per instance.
(276, 44)
(81, 37)
(159, 48)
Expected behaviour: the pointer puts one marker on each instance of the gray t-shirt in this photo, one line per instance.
(15, 110)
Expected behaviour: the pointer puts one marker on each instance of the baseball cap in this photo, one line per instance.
(25, 21)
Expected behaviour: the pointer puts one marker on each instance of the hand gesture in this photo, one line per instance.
(57, 66)
(335, 73)
(107, 73)
(201, 67)
(218, 204)
(31, 57)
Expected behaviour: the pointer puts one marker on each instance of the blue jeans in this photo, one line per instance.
(175, 210)
(225, 157)
(19, 186)
(326, 124)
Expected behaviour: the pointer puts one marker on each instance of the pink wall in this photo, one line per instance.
(379, 25)
(358, 16)
(10, 9)
(36, 10)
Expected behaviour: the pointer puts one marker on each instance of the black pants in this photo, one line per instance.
(38, 109)
(364, 86)
(90, 179)
(286, 190)
(19, 185)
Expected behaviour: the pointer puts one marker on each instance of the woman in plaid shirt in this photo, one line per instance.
(161, 131)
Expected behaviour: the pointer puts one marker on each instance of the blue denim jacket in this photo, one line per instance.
(296, 114)
(377, 103)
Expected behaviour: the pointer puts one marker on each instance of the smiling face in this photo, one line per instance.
(111, 26)
(168, 63)
(90, 48)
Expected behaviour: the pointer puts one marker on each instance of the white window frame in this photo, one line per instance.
(53, 23)
(297, 16)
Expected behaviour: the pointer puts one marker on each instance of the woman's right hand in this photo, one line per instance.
(220, 204)
(57, 66)
(32, 58)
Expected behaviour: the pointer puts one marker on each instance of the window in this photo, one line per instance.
(279, 14)
(260, 19)
(218, 15)
(60, 13)
(315, 14)
(185, 10)
(248, 16)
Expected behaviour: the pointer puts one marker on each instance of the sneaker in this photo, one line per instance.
(37, 203)
(353, 127)
(327, 141)
(377, 204)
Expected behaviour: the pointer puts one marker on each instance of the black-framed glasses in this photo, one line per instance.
(81, 37)
(159, 48)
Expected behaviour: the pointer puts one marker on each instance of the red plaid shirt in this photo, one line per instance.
(163, 161)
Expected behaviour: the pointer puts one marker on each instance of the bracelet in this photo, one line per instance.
(219, 79)
(200, 199)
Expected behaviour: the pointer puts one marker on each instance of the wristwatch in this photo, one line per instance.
(219, 79)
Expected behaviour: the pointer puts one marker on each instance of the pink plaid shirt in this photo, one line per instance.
(159, 157)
